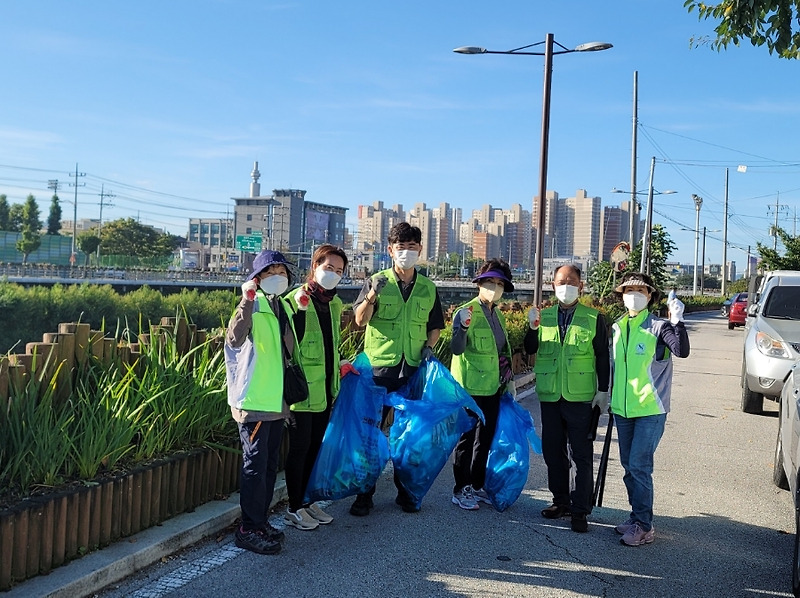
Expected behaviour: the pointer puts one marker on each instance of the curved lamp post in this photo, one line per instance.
(548, 54)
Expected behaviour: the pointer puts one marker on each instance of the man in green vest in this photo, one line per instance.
(403, 316)
(572, 368)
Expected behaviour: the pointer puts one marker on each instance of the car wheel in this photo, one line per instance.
(796, 561)
(724, 311)
(731, 325)
(778, 474)
(751, 402)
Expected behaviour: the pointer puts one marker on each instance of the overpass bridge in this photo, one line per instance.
(168, 282)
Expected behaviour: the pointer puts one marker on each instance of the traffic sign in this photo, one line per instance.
(251, 243)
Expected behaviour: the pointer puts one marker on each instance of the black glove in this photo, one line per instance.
(378, 283)
(427, 353)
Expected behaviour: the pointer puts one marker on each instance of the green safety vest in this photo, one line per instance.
(399, 328)
(312, 356)
(566, 369)
(478, 368)
(264, 373)
(641, 385)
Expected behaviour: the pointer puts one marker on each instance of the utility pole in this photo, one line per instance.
(778, 207)
(632, 211)
(103, 195)
(53, 185)
(725, 238)
(77, 174)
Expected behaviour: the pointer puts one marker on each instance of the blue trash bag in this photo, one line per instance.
(354, 450)
(430, 416)
(509, 459)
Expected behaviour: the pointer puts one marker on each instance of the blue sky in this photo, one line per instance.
(167, 104)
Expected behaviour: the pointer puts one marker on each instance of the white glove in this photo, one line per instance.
(511, 388)
(249, 290)
(463, 317)
(601, 400)
(533, 318)
(676, 308)
(301, 298)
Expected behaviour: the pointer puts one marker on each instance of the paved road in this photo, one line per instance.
(722, 528)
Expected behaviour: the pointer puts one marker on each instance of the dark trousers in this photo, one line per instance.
(391, 385)
(261, 443)
(567, 423)
(472, 450)
(305, 440)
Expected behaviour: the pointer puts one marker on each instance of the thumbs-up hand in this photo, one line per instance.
(249, 290)
(533, 318)
(301, 298)
(463, 317)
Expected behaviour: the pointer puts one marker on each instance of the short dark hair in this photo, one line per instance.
(403, 232)
(321, 253)
(573, 267)
(496, 264)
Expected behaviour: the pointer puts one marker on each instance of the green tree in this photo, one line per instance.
(88, 242)
(30, 227)
(5, 215)
(54, 218)
(772, 260)
(600, 279)
(15, 217)
(770, 22)
(126, 236)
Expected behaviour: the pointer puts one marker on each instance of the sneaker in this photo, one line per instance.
(555, 511)
(362, 505)
(636, 536)
(407, 503)
(317, 513)
(272, 533)
(464, 499)
(623, 527)
(301, 520)
(481, 496)
(579, 523)
(256, 541)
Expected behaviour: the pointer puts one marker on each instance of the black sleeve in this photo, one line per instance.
(436, 315)
(531, 341)
(676, 338)
(299, 321)
(601, 354)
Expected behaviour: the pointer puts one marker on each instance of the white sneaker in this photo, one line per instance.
(317, 513)
(482, 496)
(465, 500)
(301, 520)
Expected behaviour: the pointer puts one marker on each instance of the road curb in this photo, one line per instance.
(85, 576)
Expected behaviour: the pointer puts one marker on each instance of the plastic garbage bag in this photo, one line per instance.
(430, 416)
(509, 459)
(354, 450)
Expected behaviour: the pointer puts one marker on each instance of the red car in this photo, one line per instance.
(738, 311)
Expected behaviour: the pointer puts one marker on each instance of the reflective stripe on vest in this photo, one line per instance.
(566, 369)
(398, 327)
(478, 368)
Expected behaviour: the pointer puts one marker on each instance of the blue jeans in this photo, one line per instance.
(638, 438)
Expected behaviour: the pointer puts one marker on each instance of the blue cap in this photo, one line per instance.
(267, 258)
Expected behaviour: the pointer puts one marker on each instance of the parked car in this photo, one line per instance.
(737, 314)
(726, 306)
(786, 473)
(772, 339)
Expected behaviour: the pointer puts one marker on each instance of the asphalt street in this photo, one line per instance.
(722, 527)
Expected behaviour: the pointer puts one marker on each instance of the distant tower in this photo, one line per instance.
(255, 186)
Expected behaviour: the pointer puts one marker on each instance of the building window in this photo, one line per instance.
(249, 217)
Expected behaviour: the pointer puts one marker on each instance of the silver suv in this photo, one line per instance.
(772, 339)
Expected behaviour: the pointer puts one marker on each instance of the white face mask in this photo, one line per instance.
(490, 293)
(567, 294)
(406, 258)
(275, 284)
(327, 279)
(635, 302)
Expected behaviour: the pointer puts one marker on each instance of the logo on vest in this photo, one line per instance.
(640, 348)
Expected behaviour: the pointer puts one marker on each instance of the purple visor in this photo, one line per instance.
(507, 286)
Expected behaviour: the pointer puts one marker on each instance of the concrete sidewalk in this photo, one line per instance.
(97, 570)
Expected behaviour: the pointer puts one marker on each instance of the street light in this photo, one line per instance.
(632, 208)
(698, 202)
(703, 259)
(548, 54)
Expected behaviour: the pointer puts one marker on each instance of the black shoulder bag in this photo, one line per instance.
(295, 385)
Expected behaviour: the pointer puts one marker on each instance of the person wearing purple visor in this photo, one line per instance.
(480, 347)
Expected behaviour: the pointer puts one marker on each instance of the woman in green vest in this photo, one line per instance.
(317, 322)
(482, 365)
(642, 349)
(257, 333)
